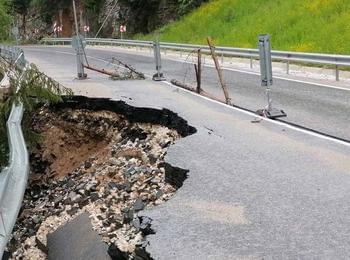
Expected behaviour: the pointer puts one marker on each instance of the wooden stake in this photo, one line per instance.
(218, 69)
(198, 90)
(199, 71)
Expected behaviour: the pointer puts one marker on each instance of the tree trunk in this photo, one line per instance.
(24, 21)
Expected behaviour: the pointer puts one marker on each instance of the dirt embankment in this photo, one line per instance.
(100, 162)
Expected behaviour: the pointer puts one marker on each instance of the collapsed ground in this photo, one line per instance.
(100, 157)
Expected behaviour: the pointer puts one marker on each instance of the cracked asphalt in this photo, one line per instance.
(309, 105)
(254, 190)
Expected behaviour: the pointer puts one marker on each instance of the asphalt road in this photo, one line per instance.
(319, 108)
(254, 191)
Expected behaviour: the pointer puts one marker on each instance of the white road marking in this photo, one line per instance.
(235, 70)
(264, 118)
(275, 77)
(286, 125)
(73, 54)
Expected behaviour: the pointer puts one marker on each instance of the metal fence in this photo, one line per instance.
(13, 179)
(13, 54)
(297, 57)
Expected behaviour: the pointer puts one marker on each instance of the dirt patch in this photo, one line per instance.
(71, 137)
(101, 162)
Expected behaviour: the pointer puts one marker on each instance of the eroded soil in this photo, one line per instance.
(97, 162)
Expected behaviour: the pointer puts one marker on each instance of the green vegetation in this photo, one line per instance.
(4, 21)
(34, 88)
(297, 25)
(185, 6)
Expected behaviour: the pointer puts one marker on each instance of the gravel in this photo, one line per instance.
(112, 186)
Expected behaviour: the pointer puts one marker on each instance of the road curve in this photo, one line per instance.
(255, 190)
(309, 105)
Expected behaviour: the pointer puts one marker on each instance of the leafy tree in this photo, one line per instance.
(48, 8)
(93, 5)
(186, 6)
(144, 12)
(93, 9)
(4, 20)
(21, 7)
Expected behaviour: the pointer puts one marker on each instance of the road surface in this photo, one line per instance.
(311, 106)
(254, 190)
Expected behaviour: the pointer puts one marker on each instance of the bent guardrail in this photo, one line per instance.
(286, 56)
(13, 179)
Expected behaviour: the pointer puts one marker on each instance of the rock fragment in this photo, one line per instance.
(111, 186)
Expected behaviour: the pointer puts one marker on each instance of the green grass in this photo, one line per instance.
(296, 25)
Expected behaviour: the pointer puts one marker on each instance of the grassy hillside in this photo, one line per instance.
(298, 25)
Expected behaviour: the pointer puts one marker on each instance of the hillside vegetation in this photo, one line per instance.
(297, 25)
(4, 21)
(35, 18)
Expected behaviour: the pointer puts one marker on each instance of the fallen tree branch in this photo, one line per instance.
(129, 67)
(190, 88)
(103, 71)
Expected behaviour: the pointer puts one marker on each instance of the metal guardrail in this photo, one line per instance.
(286, 56)
(13, 54)
(13, 179)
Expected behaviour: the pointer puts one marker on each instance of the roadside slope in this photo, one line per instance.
(297, 25)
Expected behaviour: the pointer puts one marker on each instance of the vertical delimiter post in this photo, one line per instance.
(266, 66)
(266, 75)
(157, 57)
(79, 48)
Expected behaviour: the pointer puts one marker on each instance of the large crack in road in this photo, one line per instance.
(102, 157)
(322, 109)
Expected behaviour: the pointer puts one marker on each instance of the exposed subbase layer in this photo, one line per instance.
(103, 158)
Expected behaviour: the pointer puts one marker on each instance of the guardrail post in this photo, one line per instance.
(266, 76)
(157, 56)
(251, 54)
(78, 45)
(80, 66)
(336, 72)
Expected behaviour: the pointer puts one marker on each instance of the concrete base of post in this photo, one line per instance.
(158, 77)
(271, 113)
(82, 76)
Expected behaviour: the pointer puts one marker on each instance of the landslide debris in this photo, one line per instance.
(100, 162)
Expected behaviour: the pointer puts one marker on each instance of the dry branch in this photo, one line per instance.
(218, 69)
